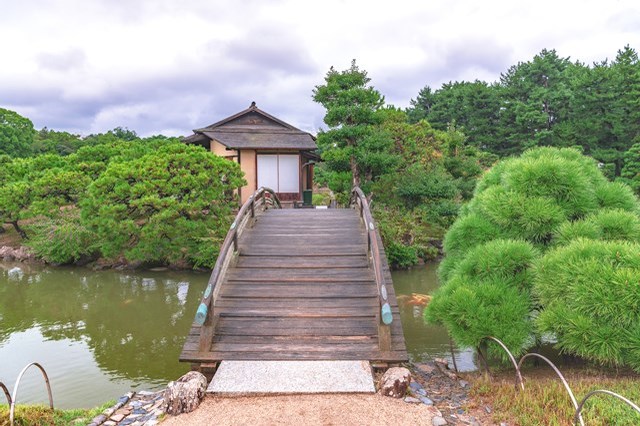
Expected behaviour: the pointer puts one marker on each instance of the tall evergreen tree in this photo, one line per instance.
(351, 105)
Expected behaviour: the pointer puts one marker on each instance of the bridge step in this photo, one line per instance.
(235, 378)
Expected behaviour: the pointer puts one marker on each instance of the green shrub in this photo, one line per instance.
(62, 241)
(469, 231)
(163, 206)
(604, 225)
(472, 309)
(521, 209)
(401, 256)
(321, 199)
(591, 296)
(615, 195)
(507, 261)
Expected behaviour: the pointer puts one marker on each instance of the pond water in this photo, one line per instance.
(424, 342)
(100, 334)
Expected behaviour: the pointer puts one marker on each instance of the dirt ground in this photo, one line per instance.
(330, 409)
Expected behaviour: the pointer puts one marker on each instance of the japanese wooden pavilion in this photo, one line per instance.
(270, 152)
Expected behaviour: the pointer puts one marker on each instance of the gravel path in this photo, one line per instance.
(331, 409)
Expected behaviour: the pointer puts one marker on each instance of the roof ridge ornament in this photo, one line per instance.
(253, 104)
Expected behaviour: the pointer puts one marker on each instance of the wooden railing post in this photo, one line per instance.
(384, 316)
(205, 317)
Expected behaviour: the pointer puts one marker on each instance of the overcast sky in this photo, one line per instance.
(165, 66)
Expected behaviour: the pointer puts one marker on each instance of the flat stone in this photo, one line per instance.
(412, 400)
(291, 377)
(438, 421)
(442, 361)
(426, 368)
(425, 400)
(117, 417)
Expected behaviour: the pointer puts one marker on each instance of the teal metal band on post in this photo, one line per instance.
(387, 317)
(207, 291)
(201, 314)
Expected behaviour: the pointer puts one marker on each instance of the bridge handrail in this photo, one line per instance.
(385, 316)
(204, 314)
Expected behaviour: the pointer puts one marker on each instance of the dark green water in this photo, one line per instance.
(100, 334)
(424, 342)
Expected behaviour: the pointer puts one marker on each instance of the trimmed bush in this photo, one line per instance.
(473, 309)
(590, 291)
(522, 208)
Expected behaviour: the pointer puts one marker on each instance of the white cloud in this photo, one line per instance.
(170, 66)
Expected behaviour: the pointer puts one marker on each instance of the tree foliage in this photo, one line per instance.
(152, 200)
(547, 101)
(165, 207)
(350, 144)
(589, 290)
(16, 134)
(523, 209)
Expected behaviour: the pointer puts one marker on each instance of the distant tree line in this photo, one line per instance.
(547, 101)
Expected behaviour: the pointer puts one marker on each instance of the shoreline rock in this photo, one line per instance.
(20, 254)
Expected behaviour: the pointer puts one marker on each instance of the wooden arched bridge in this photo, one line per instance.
(298, 284)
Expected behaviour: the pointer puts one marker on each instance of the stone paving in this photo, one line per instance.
(235, 378)
(133, 409)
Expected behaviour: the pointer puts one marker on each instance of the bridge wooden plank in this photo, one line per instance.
(329, 250)
(393, 356)
(302, 288)
(307, 262)
(307, 274)
(307, 291)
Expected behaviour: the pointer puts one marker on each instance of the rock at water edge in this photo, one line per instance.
(184, 395)
(395, 381)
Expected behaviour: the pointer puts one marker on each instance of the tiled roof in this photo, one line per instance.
(254, 129)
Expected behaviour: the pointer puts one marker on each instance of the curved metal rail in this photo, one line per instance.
(15, 390)
(577, 419)
(204, 315)
(557, 371)
(601, 391)
(6, 393)
(385, 317)
(511, 357)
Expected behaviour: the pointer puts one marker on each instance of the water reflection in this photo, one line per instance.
(424, 342)
(97, 331)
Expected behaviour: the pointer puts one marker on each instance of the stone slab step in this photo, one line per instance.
(235, 378)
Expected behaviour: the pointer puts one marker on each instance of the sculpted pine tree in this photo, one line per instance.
(542, 225)
(351, 106)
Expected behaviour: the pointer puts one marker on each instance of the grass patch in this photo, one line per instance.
(545, 401)
(40, 415)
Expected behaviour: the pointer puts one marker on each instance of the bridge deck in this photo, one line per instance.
(300, 289)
